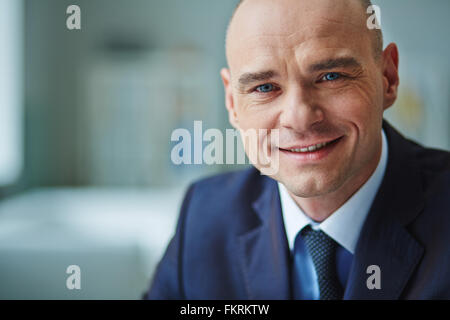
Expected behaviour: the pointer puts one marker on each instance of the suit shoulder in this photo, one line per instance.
(223, 199)
(429, 160)
(434, 166)
(433, 160)
(433, 163)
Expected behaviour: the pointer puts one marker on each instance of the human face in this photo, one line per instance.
(307, 68)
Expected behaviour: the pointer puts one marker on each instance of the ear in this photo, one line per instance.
(229, 101)
(391, 79)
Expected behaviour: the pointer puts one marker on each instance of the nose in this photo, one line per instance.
(300, 110)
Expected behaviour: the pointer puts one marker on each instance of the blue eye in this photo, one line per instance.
(331, 76)
(267, 87)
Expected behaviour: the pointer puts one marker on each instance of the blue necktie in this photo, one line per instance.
(323, 253)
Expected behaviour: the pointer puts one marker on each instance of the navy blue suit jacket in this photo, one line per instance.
(230, 241)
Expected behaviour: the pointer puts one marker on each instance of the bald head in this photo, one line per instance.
(365, 3)
(375, 34)
(307, 69)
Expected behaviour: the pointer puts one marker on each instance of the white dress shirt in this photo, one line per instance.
(345, 224)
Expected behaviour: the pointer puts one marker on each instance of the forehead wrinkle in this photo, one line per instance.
(262, 40)
(309, 32)
(338, 16)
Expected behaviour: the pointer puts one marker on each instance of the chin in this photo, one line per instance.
(311, 186)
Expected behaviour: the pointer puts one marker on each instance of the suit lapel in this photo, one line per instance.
(264, 252)
(384, 239)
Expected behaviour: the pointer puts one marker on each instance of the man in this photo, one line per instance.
(355, 211)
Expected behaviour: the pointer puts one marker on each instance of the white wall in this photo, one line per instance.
(420, 29)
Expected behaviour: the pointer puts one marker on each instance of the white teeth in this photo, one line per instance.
(311, 148)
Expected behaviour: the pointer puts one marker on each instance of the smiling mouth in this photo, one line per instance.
(312, 148)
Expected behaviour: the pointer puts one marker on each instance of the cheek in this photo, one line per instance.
(256, 116)
(359, 111)
(357, 104)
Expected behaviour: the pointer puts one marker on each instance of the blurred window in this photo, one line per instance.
(11, 112)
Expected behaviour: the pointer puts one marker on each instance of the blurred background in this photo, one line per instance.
(86, 118)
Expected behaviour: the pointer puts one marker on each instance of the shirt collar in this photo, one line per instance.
(345, 224)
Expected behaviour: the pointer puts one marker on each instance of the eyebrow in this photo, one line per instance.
(343, 62)
(250, 77)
